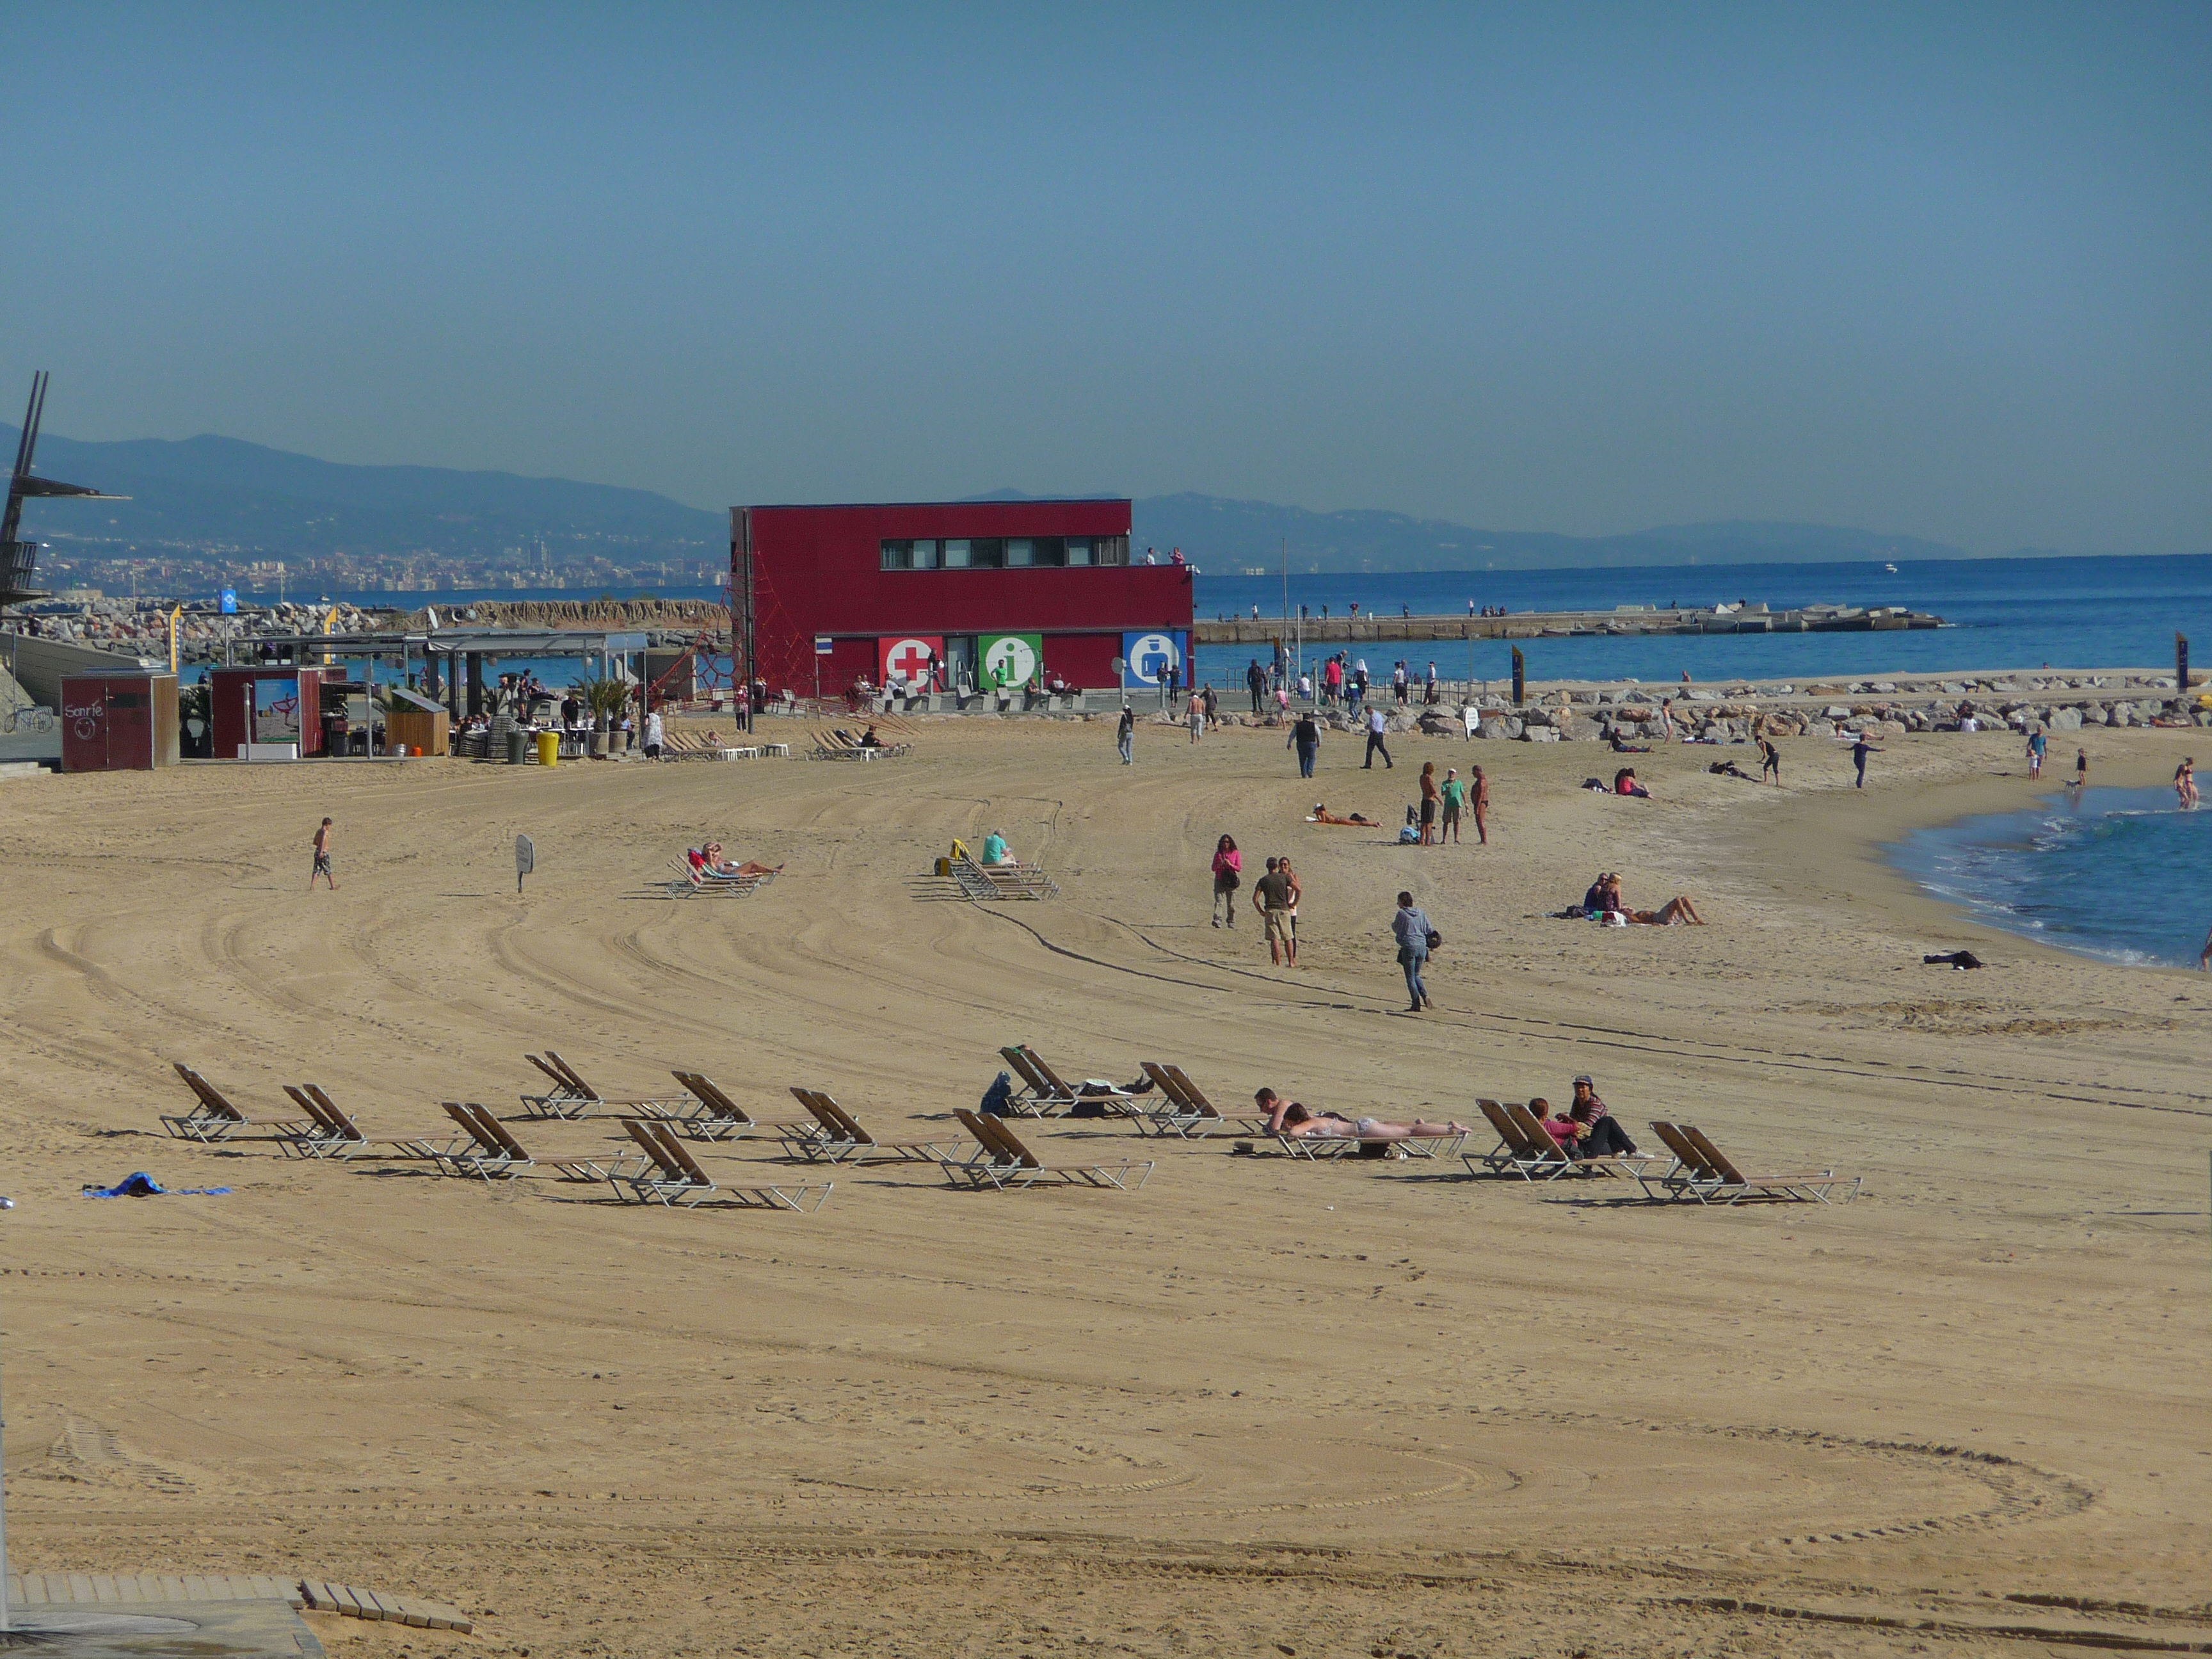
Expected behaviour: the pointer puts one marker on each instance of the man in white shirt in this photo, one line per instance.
(652, 735)
(1374, 727)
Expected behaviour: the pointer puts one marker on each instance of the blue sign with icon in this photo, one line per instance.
(1144, 656)
(227, 602)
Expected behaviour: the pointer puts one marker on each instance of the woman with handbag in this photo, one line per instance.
(1228, 877)
(1416, 938)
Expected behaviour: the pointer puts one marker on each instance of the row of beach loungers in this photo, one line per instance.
(694, 882)
(1693, 1168)
(988, 883)
(840, 745)
(658, 1166)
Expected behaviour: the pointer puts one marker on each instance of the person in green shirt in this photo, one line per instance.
(1454, 798)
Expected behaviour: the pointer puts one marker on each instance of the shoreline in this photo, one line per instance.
(1872, 877)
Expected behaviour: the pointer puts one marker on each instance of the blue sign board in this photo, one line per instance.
(226, 601)
(824, 646)
(1143, 656)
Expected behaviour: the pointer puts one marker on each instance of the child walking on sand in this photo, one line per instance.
(322, 858)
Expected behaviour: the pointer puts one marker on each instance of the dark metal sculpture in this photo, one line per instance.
(18, 557)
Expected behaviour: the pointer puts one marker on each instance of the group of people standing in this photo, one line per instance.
(1274, 896)
(1453, 799)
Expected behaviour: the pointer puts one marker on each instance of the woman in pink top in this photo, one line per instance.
(1228, 877)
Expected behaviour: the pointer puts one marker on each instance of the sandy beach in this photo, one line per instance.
(1258, 1406)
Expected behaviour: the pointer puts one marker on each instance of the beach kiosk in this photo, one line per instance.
(415, 725)
(118, 722)
(256, 711)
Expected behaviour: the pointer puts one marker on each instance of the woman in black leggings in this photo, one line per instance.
(1598, 1134)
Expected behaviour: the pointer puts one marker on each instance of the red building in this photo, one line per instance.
(947, 595)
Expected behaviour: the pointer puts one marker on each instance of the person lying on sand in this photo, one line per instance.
(1679, 909)
(1621, 748)
(1287, 1117)
(1321, 815)
(709, 860)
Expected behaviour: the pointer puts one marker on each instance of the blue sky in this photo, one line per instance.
(1935, 270)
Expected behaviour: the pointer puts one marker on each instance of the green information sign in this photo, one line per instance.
(1011, 660)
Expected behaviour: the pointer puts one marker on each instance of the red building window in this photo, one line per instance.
(1003, 552)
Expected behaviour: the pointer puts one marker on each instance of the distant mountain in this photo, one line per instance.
(225, 492)
(1224, 535)
(222, 493)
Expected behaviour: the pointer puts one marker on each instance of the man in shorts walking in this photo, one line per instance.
(1271, 897)
(322, 858)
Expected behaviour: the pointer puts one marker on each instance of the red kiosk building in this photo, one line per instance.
(952, 596)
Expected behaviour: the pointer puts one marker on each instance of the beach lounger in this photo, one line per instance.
(838, 1137)
(718, 1117)
(486, 1148)
(671, 1176)
(1045, 1093)
(694, 881)
(842, 745)
(1536, 1155)
(333, 1133)
(574, 1098)
(1003, 1162)
(1707, 1174)
(213, 1118)
(1002, 881)
(1182, 1109)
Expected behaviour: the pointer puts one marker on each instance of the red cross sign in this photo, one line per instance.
(907, 660)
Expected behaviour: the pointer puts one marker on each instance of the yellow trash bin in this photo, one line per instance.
(549, 748)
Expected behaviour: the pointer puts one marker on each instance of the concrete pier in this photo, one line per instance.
(1626, 621)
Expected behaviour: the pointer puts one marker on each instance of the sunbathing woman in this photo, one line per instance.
(711, 862)
(1679, 909)
(1322, 815)
(1287, 1117)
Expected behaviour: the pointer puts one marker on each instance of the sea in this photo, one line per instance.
(2117, 873)
(2006, 613)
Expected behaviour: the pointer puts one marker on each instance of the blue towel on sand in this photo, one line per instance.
(143, 1185)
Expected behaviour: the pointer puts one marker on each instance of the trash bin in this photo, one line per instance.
(549, 748)
(518, 746)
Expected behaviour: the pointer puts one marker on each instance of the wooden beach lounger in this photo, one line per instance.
(1532, 1158)
(572, 1097)
(1045, 1093)
(838, 1137)
(486, 1147)
(213, 1118)
(1184, 1110)
(671, 1176)
(1003, 1162)
(1002, 881)
(1527, 1149)
(1705, 1173)
(694, 882)
(335, 1134)
(719, 1117)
